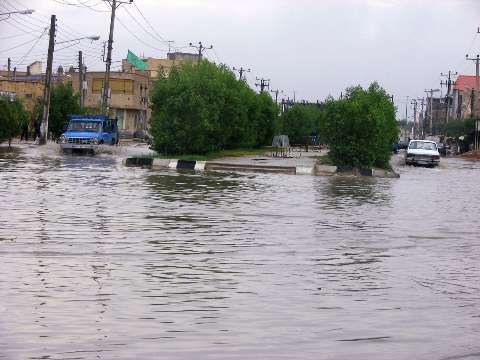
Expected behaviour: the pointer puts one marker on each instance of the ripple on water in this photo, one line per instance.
(99, 260)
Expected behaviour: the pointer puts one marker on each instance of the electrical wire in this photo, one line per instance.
(148, 22)
(35, 44)
(143, 28)
(17, 35)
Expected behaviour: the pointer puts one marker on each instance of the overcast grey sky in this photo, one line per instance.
(315, 48)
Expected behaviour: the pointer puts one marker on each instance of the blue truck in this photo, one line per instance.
(87, 132)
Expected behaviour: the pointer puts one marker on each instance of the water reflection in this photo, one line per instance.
(347, 191)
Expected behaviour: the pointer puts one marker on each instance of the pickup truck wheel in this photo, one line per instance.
(112, 142)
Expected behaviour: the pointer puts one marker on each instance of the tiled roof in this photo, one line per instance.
(464, 82)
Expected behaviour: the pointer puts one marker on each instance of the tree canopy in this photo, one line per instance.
(63, 102)
(361, 128)
(13, 117)
(202, 108)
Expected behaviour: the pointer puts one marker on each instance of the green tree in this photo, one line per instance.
(13, 117)
(361, 128)
(63, 102)
(301, 121)
(201, 108)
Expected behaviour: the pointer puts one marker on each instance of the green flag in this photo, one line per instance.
(135, 61)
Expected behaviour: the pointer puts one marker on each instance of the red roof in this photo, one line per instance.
(464, 82)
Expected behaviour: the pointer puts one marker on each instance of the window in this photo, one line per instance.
(117, 86)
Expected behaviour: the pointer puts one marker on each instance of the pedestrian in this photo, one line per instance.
(24, 135)
(36, 126)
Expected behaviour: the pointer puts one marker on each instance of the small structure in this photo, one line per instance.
(281, 141)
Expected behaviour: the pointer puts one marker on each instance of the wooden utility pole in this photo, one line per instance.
(48, 83)
(240, 72)
(80, 77)
(415, 131)
(114, 4)
(9, 65)
(201, 49)
(264, 83)
(477, 84)
(276, 92)
(448, 83)
(422, 115)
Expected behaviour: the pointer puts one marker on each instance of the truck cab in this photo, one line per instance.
(86, 132)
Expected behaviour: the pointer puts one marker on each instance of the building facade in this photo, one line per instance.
(463, 97)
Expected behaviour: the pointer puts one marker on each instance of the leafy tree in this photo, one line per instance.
(361, 128)
(13, 117)
(63, 102)
(460, 127)
(201, 108)
(301, 121)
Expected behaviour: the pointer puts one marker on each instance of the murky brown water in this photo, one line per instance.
(99, 261)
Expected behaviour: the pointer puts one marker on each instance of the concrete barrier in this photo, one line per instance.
(321, 170)
(304, 170)
(325, 170)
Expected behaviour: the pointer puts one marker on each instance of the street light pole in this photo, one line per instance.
(20, 12)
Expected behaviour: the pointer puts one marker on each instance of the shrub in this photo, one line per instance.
(361, 128)
(13, 117)
(203, 108)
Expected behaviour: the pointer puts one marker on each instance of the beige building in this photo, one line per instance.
(130, 88)
(27, 91)
(128, 99)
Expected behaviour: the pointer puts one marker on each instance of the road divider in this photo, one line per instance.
(319, 170)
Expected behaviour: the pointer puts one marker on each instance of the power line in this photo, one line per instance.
(148, 22)
(36, 42)
(17, 35)
(144, 29)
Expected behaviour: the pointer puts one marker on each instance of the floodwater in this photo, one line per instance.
(99, 261)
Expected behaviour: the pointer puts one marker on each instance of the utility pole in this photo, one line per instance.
(240, 72)
(201, 49)
(406, 111)
(276, 92)
(422, 115)
(264, 83)
(477, 83)
(170, 42)
(431, 91)
(114, 4)
(48, 83)
(448, 83)
(415, 132)
(80, 77)
(9, 65)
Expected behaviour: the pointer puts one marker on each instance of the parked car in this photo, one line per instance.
(403, 144)
(422, 152)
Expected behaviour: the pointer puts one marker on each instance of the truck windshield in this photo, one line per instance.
(93, 126)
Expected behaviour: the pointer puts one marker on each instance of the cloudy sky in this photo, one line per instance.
(314, 48)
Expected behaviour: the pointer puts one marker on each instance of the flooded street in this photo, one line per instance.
(100, 261)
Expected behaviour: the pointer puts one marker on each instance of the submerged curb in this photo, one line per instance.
(320, 170)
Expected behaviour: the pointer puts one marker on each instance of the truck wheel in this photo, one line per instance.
(112, 142)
